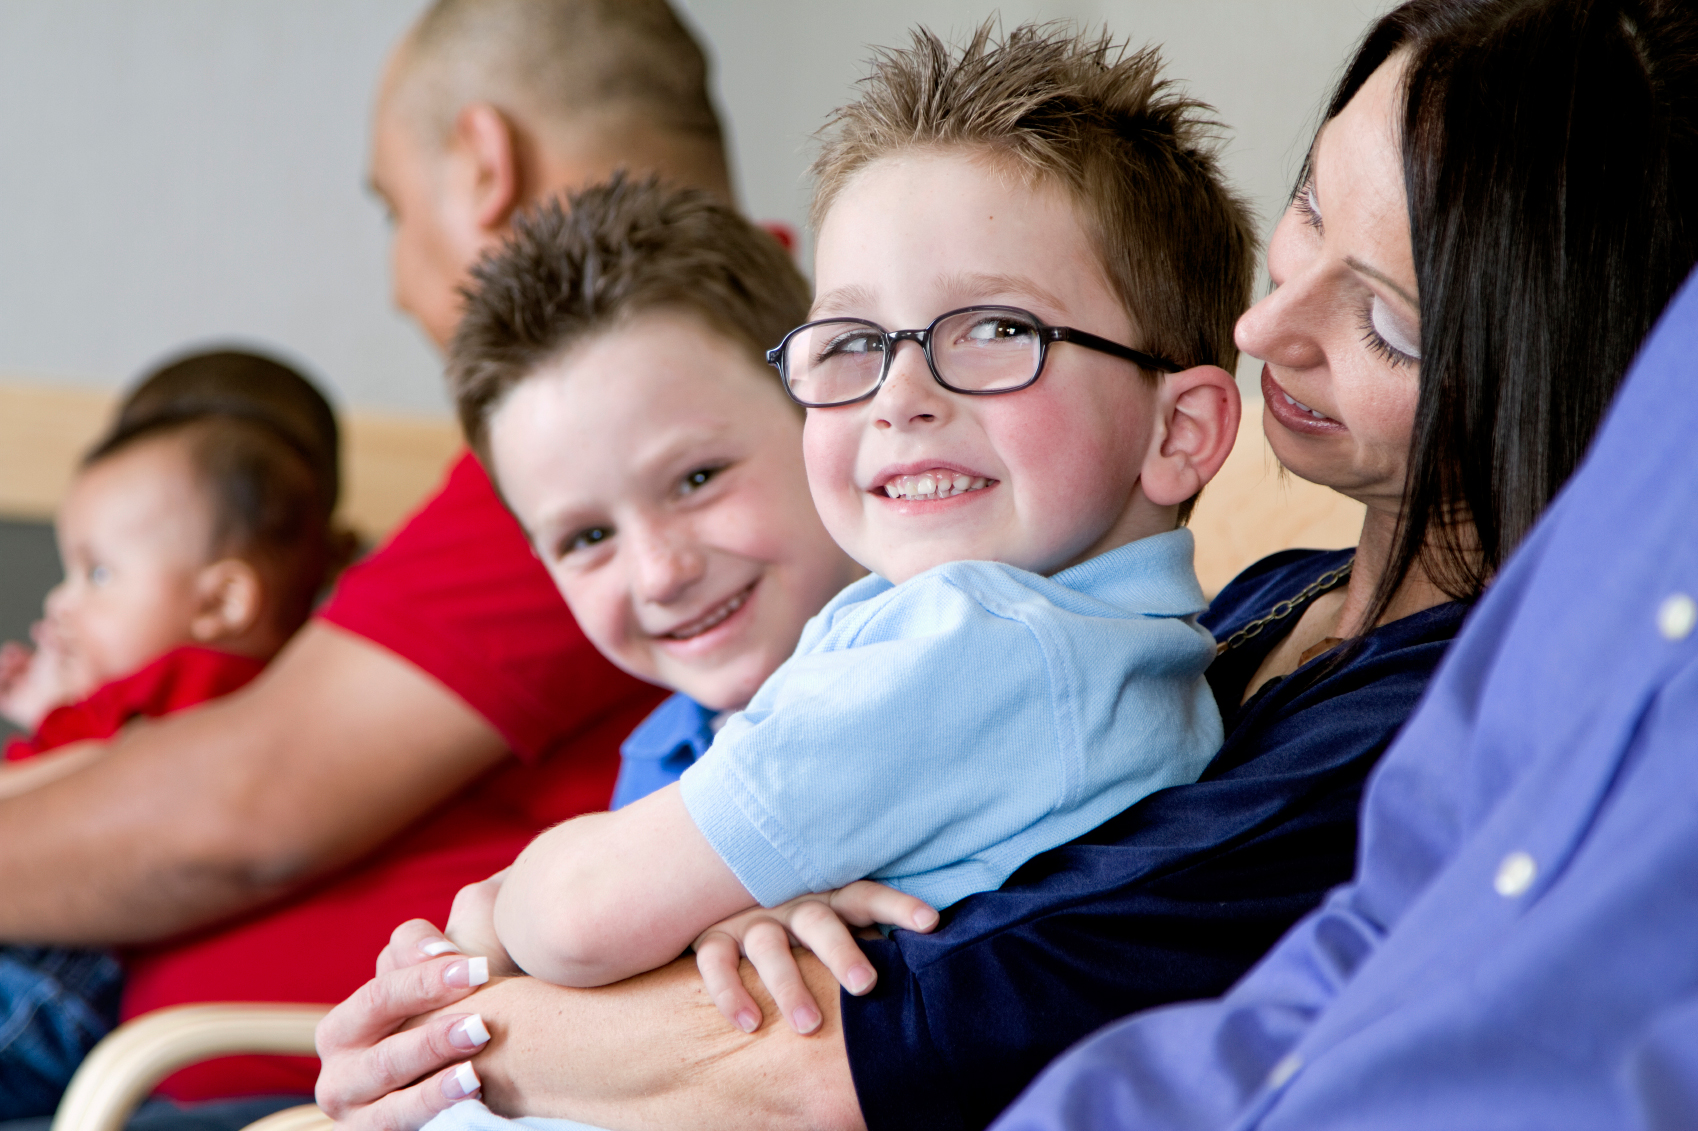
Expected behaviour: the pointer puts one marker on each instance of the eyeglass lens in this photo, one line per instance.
(981, 350)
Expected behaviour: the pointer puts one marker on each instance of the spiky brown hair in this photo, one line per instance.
(1078, 109)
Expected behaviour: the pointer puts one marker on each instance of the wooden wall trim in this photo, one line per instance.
(392, 462)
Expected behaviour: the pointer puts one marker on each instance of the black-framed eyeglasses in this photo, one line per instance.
(978, 351)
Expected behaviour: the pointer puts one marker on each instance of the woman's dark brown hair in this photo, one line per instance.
(1550, 152)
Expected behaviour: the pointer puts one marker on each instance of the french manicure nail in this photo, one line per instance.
(435, 948)
(805, 1019)
(748, 1021)
(469, 1033)
(860, 979)
(462, 1083)
(472, 972)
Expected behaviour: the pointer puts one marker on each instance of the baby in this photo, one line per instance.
(195, 539)
(1041, 223)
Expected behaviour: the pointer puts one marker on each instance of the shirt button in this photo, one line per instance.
(1284, 1070)
(1676, 616)
(1515, 875)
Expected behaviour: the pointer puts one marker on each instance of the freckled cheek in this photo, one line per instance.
(753, 524)
(602, 608)
(1379, 408)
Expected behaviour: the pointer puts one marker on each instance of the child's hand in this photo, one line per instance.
(818, 922)
(32, 681)
(471, 924)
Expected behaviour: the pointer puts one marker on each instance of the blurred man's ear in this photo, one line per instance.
(484, 159)
(1198, 411)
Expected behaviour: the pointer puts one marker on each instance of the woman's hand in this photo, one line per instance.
(372, 1050)
(818, 922)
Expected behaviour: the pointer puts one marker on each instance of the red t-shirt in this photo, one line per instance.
(181, 678)
(457, 593)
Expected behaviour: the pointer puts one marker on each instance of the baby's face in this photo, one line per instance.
(1052, 471)
(658, 471)
(133, 534)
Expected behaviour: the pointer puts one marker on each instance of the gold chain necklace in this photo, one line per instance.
(1325, 583)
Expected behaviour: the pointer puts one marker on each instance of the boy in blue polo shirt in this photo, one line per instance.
(1023, 662)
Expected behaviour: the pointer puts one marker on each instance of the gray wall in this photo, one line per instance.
(174, 171)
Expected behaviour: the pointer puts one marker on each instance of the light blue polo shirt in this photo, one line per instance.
(935, 735)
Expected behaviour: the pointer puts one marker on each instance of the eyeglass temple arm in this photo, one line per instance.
(1114, 349)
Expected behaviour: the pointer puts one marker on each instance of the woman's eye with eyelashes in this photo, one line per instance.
(1307, 206)
(1377, 343)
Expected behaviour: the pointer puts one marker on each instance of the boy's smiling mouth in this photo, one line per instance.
(931, 484)
(712, 618)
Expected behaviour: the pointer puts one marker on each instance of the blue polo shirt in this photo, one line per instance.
(662, 747)
(1175, 898)
(937, 734)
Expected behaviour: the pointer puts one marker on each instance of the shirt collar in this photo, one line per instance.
(678, 722)
(1151, 575)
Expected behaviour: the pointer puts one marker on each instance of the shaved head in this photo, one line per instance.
(565, 69)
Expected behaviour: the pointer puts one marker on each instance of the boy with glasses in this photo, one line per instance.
(1024, 661)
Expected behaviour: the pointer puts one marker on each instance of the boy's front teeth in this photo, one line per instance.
(933, 485)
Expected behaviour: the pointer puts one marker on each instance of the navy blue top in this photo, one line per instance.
(1173, 899)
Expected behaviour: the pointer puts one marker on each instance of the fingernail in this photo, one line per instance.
(860, 979)
(925, 919)
(805, 1019)
(472, 972)
(462, 1083)
(748, 1021)
(435, 948)
(469, 1034)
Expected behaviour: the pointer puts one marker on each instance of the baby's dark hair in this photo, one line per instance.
(264, 444)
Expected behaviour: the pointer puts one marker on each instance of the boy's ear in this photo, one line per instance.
(485, 154)
(1198, 421)
(229, 594)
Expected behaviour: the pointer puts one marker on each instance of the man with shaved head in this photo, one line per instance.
(487, 105)
(443, 707)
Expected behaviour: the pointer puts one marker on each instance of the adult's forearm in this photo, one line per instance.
(212, 811)
(654, 1052)
(124, 849)
(26, 776)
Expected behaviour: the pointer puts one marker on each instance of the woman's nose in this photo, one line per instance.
(1277, 329)
(910, 396)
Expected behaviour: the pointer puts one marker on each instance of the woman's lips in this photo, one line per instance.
(1292, 413)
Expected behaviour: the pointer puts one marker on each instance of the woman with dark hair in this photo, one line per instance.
(1544, 154)
(1501, 201)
